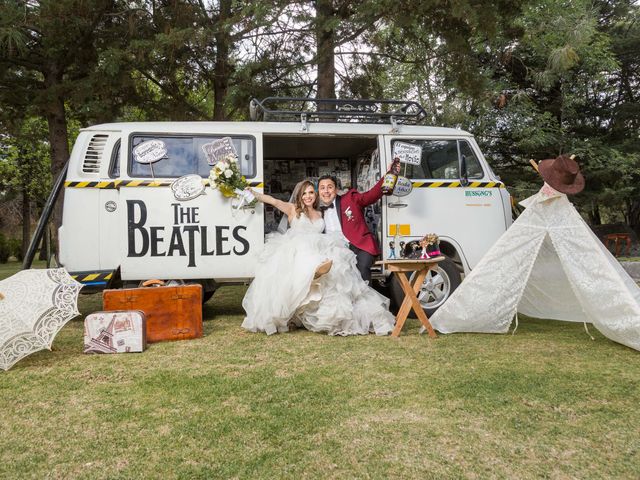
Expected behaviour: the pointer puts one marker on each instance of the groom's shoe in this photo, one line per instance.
(323, 268)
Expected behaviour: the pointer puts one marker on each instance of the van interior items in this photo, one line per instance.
(288, 160)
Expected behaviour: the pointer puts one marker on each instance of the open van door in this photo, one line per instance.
(174, 236)
(455, 196)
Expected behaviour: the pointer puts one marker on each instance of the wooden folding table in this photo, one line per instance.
(399, 268)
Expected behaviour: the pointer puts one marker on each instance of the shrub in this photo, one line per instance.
(15, 248)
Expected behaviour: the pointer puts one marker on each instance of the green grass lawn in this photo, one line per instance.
(547, 402)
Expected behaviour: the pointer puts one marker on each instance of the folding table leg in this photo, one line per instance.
(404, 309)
(411, 301)
(415, 303)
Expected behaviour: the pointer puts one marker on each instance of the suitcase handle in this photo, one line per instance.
(180, 331)
(154, 282)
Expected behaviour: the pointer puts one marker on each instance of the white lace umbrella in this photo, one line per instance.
(34, 306)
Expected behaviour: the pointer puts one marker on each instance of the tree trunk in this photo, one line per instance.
(554, 103)
(58, 134)
(222, 68)
(26, 220)
(325, 44)
(633, 214)
(594, 215)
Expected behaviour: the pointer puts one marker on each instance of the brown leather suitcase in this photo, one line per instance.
(173, 313)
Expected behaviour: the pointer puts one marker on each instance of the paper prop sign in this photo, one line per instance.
(403, 187)
(407, 152)
(218, 150)
(187, 187)
(150, 151)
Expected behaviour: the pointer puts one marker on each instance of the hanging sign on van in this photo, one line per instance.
(407, 152)
(187, 187)
(150, 151)
(403, 187)
(218, 150)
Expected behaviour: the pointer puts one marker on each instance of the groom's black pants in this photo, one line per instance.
(364, 262)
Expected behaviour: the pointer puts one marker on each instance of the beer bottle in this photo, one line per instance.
(391, 177)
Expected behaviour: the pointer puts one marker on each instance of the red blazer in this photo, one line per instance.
(354, 227)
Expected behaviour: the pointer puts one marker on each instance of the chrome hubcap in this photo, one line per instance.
(435, 289)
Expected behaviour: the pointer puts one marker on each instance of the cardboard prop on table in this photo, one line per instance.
(549, 265)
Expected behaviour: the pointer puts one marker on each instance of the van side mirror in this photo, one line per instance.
(253, 110)
(464, 178)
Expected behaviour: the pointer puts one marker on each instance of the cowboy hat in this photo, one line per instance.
(563, 174)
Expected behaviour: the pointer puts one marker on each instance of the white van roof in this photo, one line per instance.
(289, 128)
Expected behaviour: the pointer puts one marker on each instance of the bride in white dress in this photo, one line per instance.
(292, 283)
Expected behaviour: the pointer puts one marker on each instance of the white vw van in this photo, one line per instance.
(122, 222)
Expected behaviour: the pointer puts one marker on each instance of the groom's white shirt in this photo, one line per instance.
(332, 223)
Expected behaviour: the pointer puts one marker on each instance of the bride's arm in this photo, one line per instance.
(285, 207)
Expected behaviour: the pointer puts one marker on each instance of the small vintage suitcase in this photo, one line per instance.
(173, 313)
(117, 331)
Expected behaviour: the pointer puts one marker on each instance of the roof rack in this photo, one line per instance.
(292, 109)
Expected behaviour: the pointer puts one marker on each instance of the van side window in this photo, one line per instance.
(114, 165)
(440, 160)
(474, 170)
(178, 155)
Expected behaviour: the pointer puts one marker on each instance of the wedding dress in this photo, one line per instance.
(284, 288)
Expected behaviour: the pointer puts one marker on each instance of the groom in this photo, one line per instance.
(344, 215)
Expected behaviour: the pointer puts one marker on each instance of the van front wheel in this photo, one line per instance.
(439, 284)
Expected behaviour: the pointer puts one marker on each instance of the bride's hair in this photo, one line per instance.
(297, 196)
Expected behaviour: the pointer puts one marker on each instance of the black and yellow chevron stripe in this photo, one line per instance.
(117, 184)
(92, 277)
(455, 184)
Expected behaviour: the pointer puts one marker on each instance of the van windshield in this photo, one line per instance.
(177, 155)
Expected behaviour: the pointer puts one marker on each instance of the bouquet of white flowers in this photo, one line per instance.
(225, 174)
(226, 177)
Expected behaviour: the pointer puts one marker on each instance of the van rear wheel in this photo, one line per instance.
(206, 295)
(439, 284)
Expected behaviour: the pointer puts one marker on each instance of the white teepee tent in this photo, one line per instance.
(548, 264)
